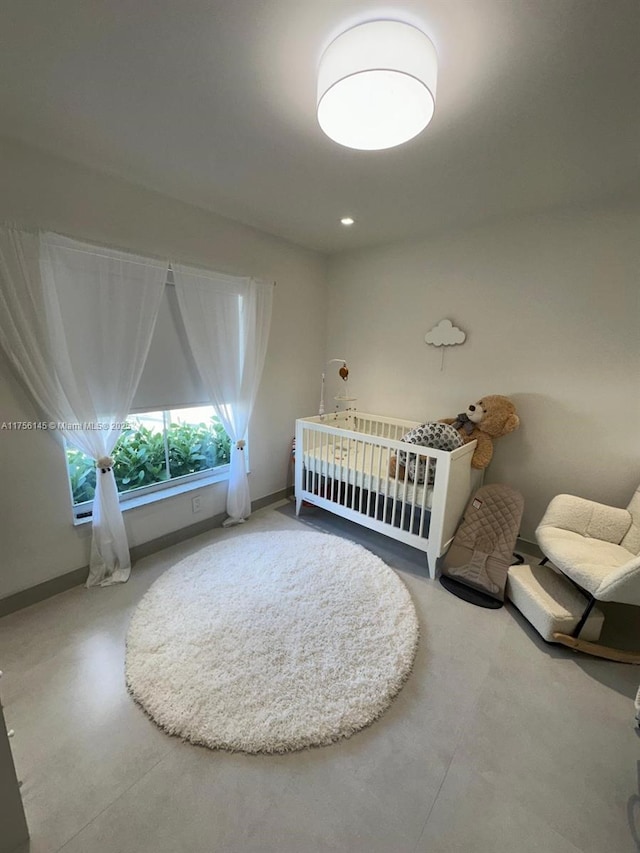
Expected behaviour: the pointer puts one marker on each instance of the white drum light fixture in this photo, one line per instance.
(377, 85)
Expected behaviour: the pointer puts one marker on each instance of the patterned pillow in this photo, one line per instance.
(438, 436)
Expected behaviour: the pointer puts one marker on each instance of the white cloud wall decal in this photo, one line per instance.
(445, 334)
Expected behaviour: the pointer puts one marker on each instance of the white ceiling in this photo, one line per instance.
(213, 102)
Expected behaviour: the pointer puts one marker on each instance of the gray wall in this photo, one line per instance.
(38, 539)
(550, 305)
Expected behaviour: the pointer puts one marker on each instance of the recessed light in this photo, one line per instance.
(347, 220)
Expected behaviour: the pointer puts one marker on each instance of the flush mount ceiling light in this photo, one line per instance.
(377, 85)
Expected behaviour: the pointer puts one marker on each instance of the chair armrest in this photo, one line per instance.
(622, 584)
(587, 518)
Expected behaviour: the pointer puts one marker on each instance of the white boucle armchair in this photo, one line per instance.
(598, 548)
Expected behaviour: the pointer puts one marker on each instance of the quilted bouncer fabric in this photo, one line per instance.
(482, 549)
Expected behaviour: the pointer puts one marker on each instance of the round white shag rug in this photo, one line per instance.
(269, 642)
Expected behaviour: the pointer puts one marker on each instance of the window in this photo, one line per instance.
(159, 449)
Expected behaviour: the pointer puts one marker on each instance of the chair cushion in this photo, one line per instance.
(632, 539)
(588, 518)
(586, 561)
(551, 603)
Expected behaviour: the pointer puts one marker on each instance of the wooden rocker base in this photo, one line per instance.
(595, 649)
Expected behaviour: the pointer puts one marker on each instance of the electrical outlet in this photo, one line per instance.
(195, 504)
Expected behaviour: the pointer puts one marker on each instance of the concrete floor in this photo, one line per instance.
(498, 743)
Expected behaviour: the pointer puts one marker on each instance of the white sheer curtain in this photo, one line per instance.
(227, 320)
(24, 334)
(76, 323)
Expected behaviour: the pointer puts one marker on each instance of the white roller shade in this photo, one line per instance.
(170, 378)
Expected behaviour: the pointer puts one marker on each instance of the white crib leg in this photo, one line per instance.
(432, 559)
(298, 505)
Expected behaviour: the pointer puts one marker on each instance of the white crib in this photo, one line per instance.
(342, 463)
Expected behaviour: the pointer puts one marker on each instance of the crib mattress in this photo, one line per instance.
(365, 466)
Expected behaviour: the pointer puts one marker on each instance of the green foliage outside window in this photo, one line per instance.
(140, 458)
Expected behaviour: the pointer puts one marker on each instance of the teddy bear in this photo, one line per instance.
(489, 418)
(485, 420)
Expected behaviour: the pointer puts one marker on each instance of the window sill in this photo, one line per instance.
(161, 494)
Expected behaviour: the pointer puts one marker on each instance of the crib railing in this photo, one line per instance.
(342, 464)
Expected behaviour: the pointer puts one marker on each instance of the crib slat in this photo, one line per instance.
(378, 481)
(323, 464)
(335, 448)
(306, 458)
(317, 481)
(412, 514)
(404, 490)
(340, 477)
(423, 503)
(309, 434)
(371, 464)
(361, 468)
(352, 485)
(386, 495)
